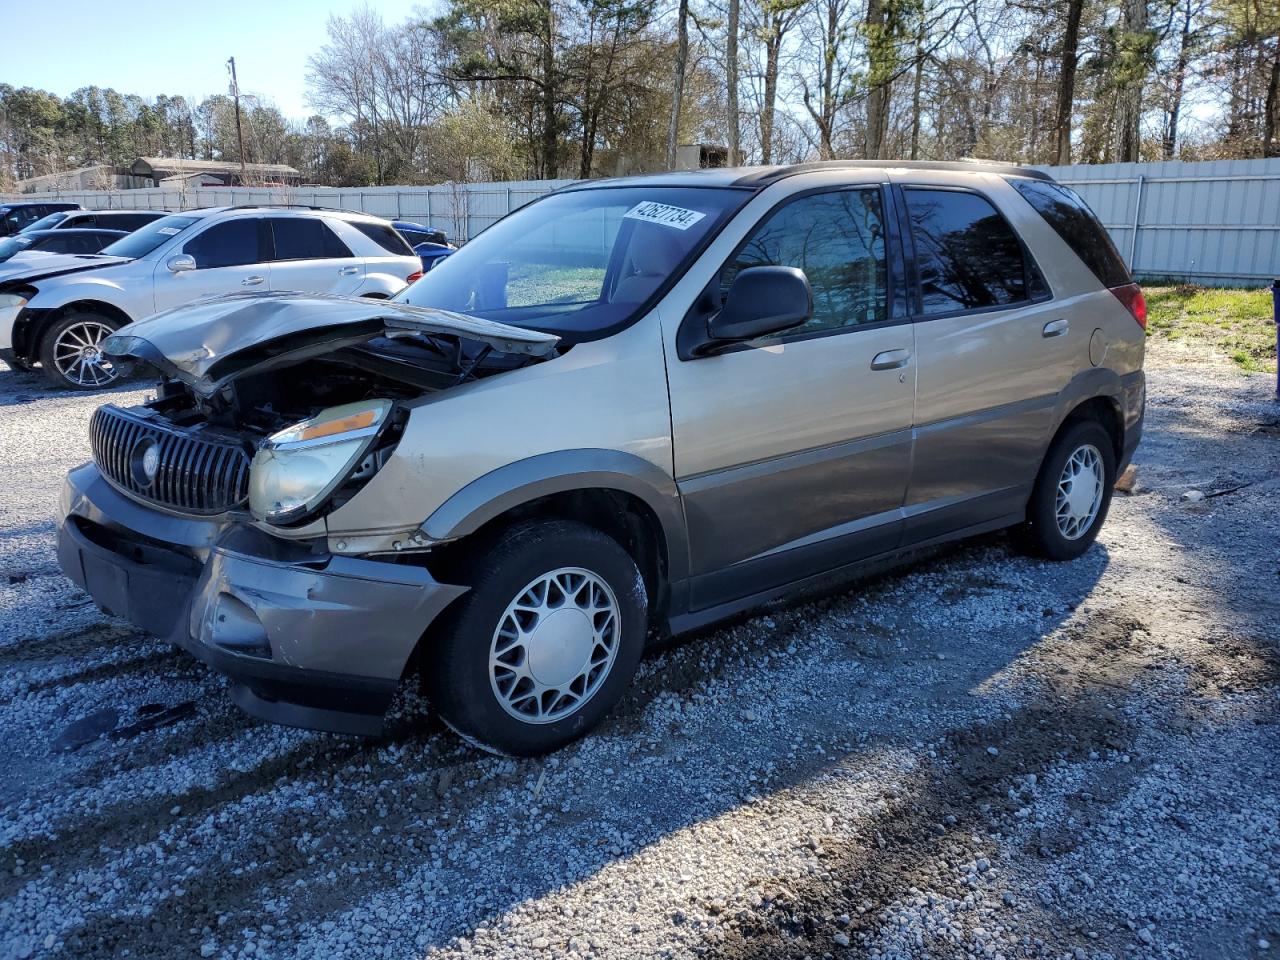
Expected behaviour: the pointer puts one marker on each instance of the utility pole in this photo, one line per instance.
(235, 94)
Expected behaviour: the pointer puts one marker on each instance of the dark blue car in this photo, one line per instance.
(429, 244)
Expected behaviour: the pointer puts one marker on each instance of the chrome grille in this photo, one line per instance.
(194, 472)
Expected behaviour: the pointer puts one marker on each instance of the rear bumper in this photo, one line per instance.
(1134, 401)
(307, 639)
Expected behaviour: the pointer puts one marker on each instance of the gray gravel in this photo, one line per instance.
(981, 755)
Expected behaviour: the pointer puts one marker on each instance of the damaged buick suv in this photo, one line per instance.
(628, 410)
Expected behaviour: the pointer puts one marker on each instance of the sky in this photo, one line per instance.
(178, 49)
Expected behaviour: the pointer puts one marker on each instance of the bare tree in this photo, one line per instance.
(731, 82)
(1067, 81)
(677, 86)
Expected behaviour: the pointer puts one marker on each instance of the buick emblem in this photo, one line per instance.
(145, 462)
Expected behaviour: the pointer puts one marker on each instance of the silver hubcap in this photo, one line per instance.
(554, 646)
(78, 354)
(1079, 492)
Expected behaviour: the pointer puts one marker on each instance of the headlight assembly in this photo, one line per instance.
(295, 469)
(12, 300)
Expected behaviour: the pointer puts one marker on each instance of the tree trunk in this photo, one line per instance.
(1170, 146)
(1270, 144)
(880, 80)
(1067, 82)
(772, 45)
(1131, 95)
(731, 71)
(550, 139)
(677, 88)
(915, 92)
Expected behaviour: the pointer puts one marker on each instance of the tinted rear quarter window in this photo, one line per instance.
(1072, 220)
(384, 236)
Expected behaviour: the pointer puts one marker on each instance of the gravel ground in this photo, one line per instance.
(980, 755)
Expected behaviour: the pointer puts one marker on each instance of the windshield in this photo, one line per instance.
(12, 245)
(578, 264)
(47, 223)
(145, 239)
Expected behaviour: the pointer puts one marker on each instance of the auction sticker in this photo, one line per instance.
(665, 214)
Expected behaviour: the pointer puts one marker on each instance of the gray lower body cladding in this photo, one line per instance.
(306, 639)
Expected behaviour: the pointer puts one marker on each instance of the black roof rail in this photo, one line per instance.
(292, 206)
(773, 174)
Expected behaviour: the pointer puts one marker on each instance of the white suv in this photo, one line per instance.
(57, 313)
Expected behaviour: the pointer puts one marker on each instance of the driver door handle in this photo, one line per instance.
(251, 281)
(890, 359)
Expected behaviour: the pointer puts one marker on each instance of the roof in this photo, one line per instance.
(759, 177)
(179, 165)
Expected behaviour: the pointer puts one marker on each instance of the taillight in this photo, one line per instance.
(417, 275)
(1130, 294)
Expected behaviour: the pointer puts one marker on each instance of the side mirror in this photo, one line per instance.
(181, 263)
(762, 300)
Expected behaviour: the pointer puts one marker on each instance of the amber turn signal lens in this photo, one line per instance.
(354, 421)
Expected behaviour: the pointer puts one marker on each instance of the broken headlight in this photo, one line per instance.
(295, 469)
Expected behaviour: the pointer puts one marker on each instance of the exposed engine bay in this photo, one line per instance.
(287, 405)
(400, 368)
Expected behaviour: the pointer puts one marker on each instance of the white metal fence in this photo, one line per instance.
(1214, 222)
(462, 210)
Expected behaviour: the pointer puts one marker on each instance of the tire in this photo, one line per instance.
(69, 352)
(1064, 530)
(478, 673)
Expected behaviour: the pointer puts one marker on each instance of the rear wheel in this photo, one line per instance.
(71, 352)
(544, 643)
(1072, 493)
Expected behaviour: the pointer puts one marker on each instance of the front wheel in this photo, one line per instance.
(71, 352)
(544, 643)
(1072, 493)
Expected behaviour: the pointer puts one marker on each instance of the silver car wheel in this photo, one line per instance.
(1079, 492)
(554, 646)
(77, 353)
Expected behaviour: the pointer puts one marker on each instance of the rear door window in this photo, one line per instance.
(968, 256)
(1076, 224)
(126, 221)
(838, 240)
(233, 243)
(305, 238)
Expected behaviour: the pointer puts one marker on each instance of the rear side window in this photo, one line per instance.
(968, 256)
(305, 238)
(1075, 223)
(233, 243)
(126, 221)
(837, 239)
(384, 236)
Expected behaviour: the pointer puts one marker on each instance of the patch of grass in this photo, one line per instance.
(1235, 322)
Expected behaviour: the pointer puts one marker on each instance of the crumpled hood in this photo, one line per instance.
(36, 265)
(206, 343)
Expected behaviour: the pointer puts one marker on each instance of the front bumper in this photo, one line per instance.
(307, 639)
(8, 318)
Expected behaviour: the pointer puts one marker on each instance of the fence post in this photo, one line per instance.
(1275, 316)
(1137, 223)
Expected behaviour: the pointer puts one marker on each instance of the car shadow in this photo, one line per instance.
(616, 793)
